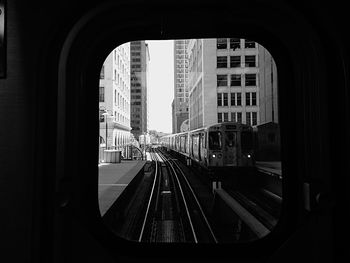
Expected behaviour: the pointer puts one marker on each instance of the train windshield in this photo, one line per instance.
(230, 139)
(247, 140)
(215, 140)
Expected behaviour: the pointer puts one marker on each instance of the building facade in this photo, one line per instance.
(139, 60)
(224, 82)
(114, 100)
(181, 93)
(268, 93)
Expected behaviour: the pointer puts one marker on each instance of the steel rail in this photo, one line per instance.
(198, 204)
(183, 197)
(149, 201)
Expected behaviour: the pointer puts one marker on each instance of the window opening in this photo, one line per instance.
(214, 116)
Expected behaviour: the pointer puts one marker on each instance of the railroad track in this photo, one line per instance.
(254, 209)
(171, 204)
(173, 211)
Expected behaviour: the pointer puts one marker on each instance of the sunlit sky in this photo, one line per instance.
(160, 85)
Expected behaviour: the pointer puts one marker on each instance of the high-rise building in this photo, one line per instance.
(181, 93)
(114, 99)
(139, 60)
(224, 82)
(268, 96)
(173, 116)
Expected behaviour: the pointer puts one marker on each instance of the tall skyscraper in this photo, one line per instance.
(181, 94)
(224, 82)
(114, 99)
(268, 94)
(139, 60)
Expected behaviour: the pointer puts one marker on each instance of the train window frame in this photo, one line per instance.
(77, 72)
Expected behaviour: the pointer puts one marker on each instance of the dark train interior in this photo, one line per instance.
(51, 54)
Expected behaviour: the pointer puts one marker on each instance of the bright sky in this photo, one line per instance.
(160, 85)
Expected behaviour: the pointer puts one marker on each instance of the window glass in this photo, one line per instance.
(249, 61)
(250, 79)
(215, 140)
(230, 139)
(225, 116)
(235, 80)
(221, 43)
(249, 44)
(219, 99)
(155, 99)
(222, 62)
(225, 99)
(221, 80)
(235, 43)
(235, 61)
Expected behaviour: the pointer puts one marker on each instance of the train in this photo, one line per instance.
(227, 144)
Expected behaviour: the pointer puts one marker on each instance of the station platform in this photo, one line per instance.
(270, 167)
(113, 179)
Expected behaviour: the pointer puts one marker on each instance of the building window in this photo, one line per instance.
(250, 61)
(219, 99)
(221, 43)
(102, 117)
(225, 116)
(239, 117)
(247, 118)
(247, 99)
(254, 118)
(249, 44)
(102, 94)
(219, 117)
(233, 99)
(235, 61)
(239, 99)
(233, 116)
(235, 80)
(250, 79)
(225, 99)
(254, 98)
(235, 43)
(102, 73)
(221, 62)
(221, 80)
(250, 98)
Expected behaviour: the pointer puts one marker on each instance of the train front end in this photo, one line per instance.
(230, 145)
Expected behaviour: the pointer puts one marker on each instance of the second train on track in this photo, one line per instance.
(227, 144)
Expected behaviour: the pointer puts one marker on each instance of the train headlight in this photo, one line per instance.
(248, 156)
(214, 155)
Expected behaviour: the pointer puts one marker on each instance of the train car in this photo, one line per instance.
(267, 142)
(228, 144)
